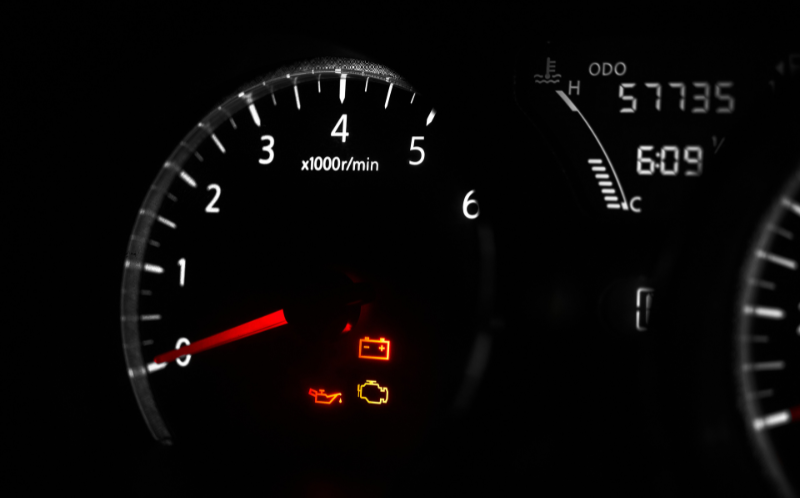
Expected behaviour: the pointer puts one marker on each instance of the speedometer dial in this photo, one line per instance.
(769, 337)
(305, 269)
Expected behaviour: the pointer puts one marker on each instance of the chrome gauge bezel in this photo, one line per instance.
(752, 266)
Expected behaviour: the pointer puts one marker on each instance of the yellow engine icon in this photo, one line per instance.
(373, 393)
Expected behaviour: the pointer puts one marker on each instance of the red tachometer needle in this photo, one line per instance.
(259, 325)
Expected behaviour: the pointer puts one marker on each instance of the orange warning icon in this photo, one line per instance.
(373, 349)
(324, 399)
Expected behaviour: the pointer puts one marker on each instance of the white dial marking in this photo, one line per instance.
(767, 285)
(772, 420)
(342, 87)
(388, 95)
(167, 222)
(219, 144)
(254, 114)
(430, 117)
(154, 367)
(782, 232)
(297, 97)
(765, 312)
(794, 207)
(152, 268)
(188, 178)
(768, 366)
(777, 259)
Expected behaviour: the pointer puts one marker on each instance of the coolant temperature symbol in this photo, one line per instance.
(550, 75)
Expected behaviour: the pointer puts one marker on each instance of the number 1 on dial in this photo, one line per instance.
(182, 263)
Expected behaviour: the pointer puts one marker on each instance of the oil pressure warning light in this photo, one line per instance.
(371, 392)
(324, 399)
(373, 349)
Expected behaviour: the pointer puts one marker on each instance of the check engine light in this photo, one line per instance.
(321, 398)
(373, 393)
(373, 349)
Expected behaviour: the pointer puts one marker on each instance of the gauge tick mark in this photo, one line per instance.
(167, 222)
(254, 114)
(188, 179)
(152, 268)
(219, 144)
(777, 259)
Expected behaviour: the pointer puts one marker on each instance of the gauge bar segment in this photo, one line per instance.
(575, 109)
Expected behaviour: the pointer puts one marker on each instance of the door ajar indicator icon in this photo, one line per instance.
(321, 398)
(373, 349)
(373, 393)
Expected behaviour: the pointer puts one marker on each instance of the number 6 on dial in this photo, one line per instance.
(467, 203)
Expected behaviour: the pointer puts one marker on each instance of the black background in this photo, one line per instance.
(98, 99)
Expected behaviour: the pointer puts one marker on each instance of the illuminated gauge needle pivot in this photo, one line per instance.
(321, 398)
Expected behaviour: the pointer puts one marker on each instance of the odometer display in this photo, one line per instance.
(638, 125)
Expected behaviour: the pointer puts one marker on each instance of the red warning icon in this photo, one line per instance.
(324, 399)
(373, 349)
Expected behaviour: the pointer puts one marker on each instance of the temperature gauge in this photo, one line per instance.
(637, 130)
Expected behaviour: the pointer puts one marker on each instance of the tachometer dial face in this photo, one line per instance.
(769, 338)
(304, 269)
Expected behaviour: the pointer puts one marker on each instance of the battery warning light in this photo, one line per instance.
(373, 349)
(371, 392)
(321, 398)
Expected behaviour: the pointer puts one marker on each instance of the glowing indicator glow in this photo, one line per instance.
(371, 392)
(321, 398)
(373, 349)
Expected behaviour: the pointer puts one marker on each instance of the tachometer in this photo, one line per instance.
(306, 268)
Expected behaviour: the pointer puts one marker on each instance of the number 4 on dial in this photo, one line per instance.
(343, 124)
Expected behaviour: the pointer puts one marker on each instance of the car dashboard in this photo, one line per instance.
(466, 256)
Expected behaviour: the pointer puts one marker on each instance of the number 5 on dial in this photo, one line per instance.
(417, 148)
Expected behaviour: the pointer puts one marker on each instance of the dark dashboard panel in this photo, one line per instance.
(574, 400)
